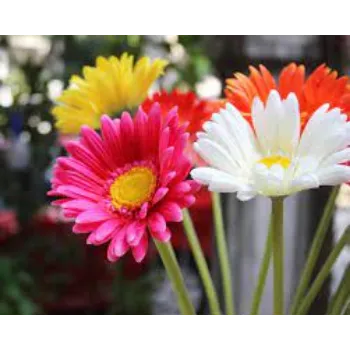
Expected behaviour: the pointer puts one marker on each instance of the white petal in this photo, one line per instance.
(324, 134)
(217, 180)
(305, 182)
(337, 158)
(215, 155)
(220, 135)
(289, 129)
(246, 195)
(239, 130)
(258, 117)
(277, 171)
(334, 175)
(274, 112)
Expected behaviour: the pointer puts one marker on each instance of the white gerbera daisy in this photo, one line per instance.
(274, 159)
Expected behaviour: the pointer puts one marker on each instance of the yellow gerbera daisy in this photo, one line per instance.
(112, 85)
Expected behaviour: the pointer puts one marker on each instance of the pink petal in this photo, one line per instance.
(73, 164)
(68, 214)
(104, 232)
(85, 228)
(92, 140)
(171, 212)
(76, 193)
(140, 125)
(59, 202)
(180, 145)
(127, 136)
(157, 223)
(167, 178)
(134, 232)
(118, 246)
(187, 201)
(143, 211)
(164, 140)
(69, 177)
(154, 127)
(139, 252)
(160, 194)
(183, 168)
(93, 215)
(162, 236)
(166, 158)
(78, 204)
(111, 136)
(180, 189)
(195, 186)
(53, 193)
(172, 117)
(78, 151)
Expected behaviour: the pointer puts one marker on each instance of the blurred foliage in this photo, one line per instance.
(132, 296)
(15, 287)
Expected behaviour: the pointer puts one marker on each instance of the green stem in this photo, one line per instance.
(341, 296)
(201, 264)
(315, 249)
(323, 274)
(346, 307)
(277, 250)
(264, 269)
(173, 270)
(223, 254)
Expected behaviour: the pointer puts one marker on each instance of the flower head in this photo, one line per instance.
(322, 86)
(192, 111)
(112, 85)
(270, 156)
(128, 182)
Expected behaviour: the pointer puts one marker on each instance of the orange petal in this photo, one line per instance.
(285, 78)
(258, 81)
(268, 78)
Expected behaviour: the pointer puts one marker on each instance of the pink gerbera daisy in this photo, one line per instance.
(128, 182)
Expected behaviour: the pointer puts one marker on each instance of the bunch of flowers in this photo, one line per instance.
(126, 182)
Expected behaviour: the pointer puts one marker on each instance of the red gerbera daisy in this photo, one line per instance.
(128, 182)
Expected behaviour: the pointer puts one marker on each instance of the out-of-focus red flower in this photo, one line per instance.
(8, 224)
(73, 276)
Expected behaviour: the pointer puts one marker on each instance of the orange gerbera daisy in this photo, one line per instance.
(191, 110)
(322, 86)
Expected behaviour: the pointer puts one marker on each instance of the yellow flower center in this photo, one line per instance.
(133, 188)
(272, 160)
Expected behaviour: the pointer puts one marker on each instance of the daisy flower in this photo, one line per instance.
(322, 86)
(192, 111)
(113, 85)
(270, 156)
(126, 183)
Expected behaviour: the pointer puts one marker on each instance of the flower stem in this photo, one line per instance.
(264, 269)
(173, 270)
(223, 254)
(315, 249)
(323, 274)
(201, 264)
(341, 295)
(277, 249)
